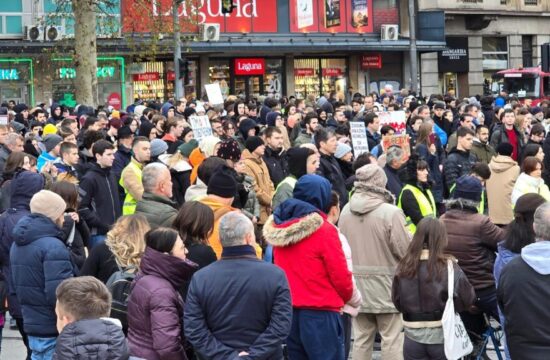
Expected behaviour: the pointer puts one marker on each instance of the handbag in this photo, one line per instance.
(456, 339)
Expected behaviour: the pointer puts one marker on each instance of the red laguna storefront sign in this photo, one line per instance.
(249, 66)
(304, 72)
(332, 72)
(149, 76)
(373, 61)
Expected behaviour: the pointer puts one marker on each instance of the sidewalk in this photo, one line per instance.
(12, 345)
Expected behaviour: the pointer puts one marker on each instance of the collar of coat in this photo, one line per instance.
(292, 231)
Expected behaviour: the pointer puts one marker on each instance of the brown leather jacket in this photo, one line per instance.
(423, 299)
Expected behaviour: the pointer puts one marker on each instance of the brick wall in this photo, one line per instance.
(385, 16)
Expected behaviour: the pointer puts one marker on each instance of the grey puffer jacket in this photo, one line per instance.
(92, 339)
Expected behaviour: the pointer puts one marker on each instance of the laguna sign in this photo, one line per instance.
(249, 66)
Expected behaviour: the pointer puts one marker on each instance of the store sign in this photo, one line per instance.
(373, 61)
(332, 72)
(170, 76)
(101, 73)
(114, 100)
(148, 76)
(455, 58)
(249, 66)
(304, 72)
(9, 74)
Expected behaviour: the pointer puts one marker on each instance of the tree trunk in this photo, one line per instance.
(85, 52)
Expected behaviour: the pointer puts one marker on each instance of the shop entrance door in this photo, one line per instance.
(249, 86)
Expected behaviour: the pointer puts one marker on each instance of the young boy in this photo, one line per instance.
(85, 330)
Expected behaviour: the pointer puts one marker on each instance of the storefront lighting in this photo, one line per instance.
(31, 70)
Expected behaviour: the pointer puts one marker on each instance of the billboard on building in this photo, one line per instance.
(331, 16)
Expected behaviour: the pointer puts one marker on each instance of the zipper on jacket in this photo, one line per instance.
(112, 200)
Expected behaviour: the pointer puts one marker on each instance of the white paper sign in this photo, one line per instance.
(214, 93)
(201, 126)
(395, 119)
(304, 13)
(359, 137)
(3, 119)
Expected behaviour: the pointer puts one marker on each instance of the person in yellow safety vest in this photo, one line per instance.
(482, 172)
(130, 178)
(416, 199)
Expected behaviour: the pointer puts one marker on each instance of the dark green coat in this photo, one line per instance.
(159, 210)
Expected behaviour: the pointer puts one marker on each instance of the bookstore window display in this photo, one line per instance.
(317, 76)
(219, 72)
(149, 84)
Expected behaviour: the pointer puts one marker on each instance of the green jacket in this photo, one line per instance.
(159, 210)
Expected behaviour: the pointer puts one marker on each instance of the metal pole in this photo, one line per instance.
(178, 85)
(413, 54)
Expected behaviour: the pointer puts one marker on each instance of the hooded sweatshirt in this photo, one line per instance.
(504, 172)
(523, 292)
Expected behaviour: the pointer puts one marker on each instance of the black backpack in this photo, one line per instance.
(119, 285)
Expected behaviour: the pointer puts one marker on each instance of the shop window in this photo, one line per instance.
(149, 81)
(306, 77)
(527, 50)
(219, 72)
(495, 53)
(319, 76)
(12, 6)
(273, 78)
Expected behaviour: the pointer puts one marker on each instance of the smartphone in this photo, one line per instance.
(432, 138)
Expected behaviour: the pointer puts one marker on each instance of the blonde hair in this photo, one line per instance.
(126, 240)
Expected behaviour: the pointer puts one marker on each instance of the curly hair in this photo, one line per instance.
(126, 240)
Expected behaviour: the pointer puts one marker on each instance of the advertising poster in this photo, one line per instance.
(403, 141)
(359, 13)
(359, 138)
(304, 13)
(201, 127)
(332, 13)
(395, 119)
(331, 16)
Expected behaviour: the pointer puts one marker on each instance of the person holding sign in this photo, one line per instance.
(416, 199)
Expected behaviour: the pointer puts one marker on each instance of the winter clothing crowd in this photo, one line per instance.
(122, 236)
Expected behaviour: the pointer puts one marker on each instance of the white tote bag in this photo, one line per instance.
(457, 341)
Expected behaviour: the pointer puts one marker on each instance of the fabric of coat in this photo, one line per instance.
(422, 298)
(546, 161)
(472, 239)
(284, 190)
(499, 136)
(22, 189)
(303, 138)
(196, 192)
(522, 292)
(394, 184)
(526, 184)
(238, 304)
(80, 238)
(378, 237)
(277, 164)
(330, 170)
(307, 247)
(458, 163)
(155, 307)
(89, 339)
(181, 178)
(219, 210)
(483, 152)
(257, 169)
(435, 176)
(504, 172)
(130, 180)
(39, 261)
(159, 210)
(4, 153)
(101, 263)
(100, 205)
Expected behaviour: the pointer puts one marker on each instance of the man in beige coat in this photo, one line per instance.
(504, 172)
(378, 238)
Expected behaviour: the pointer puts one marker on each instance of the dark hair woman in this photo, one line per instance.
(428, 146)
(519, 233)
(155, 306)
(76, 232)
(16, 162)
(416, 199)
(419, 291)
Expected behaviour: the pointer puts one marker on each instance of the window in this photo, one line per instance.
(11, 17)
(495, 53)
(527, 50)
(532, 2)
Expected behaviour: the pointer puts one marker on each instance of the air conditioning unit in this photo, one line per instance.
(209, 32)
(34, 33)
(389, 32)
(55, 32)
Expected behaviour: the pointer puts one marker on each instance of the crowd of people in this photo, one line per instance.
(121, 234)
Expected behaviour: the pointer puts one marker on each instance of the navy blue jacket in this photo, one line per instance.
(238, 303)
(39, 261)
(22, 188)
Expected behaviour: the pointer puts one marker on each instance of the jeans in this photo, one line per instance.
(268, 254)
(42, 348)
(95, 240)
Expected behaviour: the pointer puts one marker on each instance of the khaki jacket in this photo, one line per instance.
(378, 237)
(504, 172)
(257, 169)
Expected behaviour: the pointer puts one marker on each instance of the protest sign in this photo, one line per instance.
(214, 93)
(403, 141)
(395, 119)
(359, 137)
(201, 126)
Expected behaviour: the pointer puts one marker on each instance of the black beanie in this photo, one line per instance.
(253, 142)
(222, 183)
(297, 161)
(505, 149)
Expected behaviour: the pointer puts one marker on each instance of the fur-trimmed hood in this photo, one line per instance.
(293, 221)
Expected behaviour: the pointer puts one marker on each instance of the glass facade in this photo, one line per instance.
(320, 75)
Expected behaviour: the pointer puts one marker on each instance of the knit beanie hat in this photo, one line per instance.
(469, 188)
(50, 141)
(208, 144)
(49, 204)
(372, 174)
(49, 129)
(158, 147)
(315, 190)
(341, 150)
(187, 148)
(253, 142)
(297, 161)
(222, 183)
(246, 125)
(229, 150)
(505, 149)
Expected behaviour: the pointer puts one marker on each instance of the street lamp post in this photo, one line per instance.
(413, 52)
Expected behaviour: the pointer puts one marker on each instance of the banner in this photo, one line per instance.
(403, 141)
(395, 119)
(331, 16)
(359, 138)
(201, 126)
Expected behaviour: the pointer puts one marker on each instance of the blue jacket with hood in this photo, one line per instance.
(22, 188)
(40, 261)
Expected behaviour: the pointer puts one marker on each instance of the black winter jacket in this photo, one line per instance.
(101, 263)
(100, 204)
(330, 170)
(79, 240)
(458, 163)
(92, 339)
(276, 164)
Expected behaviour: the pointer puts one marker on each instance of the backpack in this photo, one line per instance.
(119, 285)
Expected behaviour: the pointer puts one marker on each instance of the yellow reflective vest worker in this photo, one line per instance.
(130, 180)
(426, 204)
